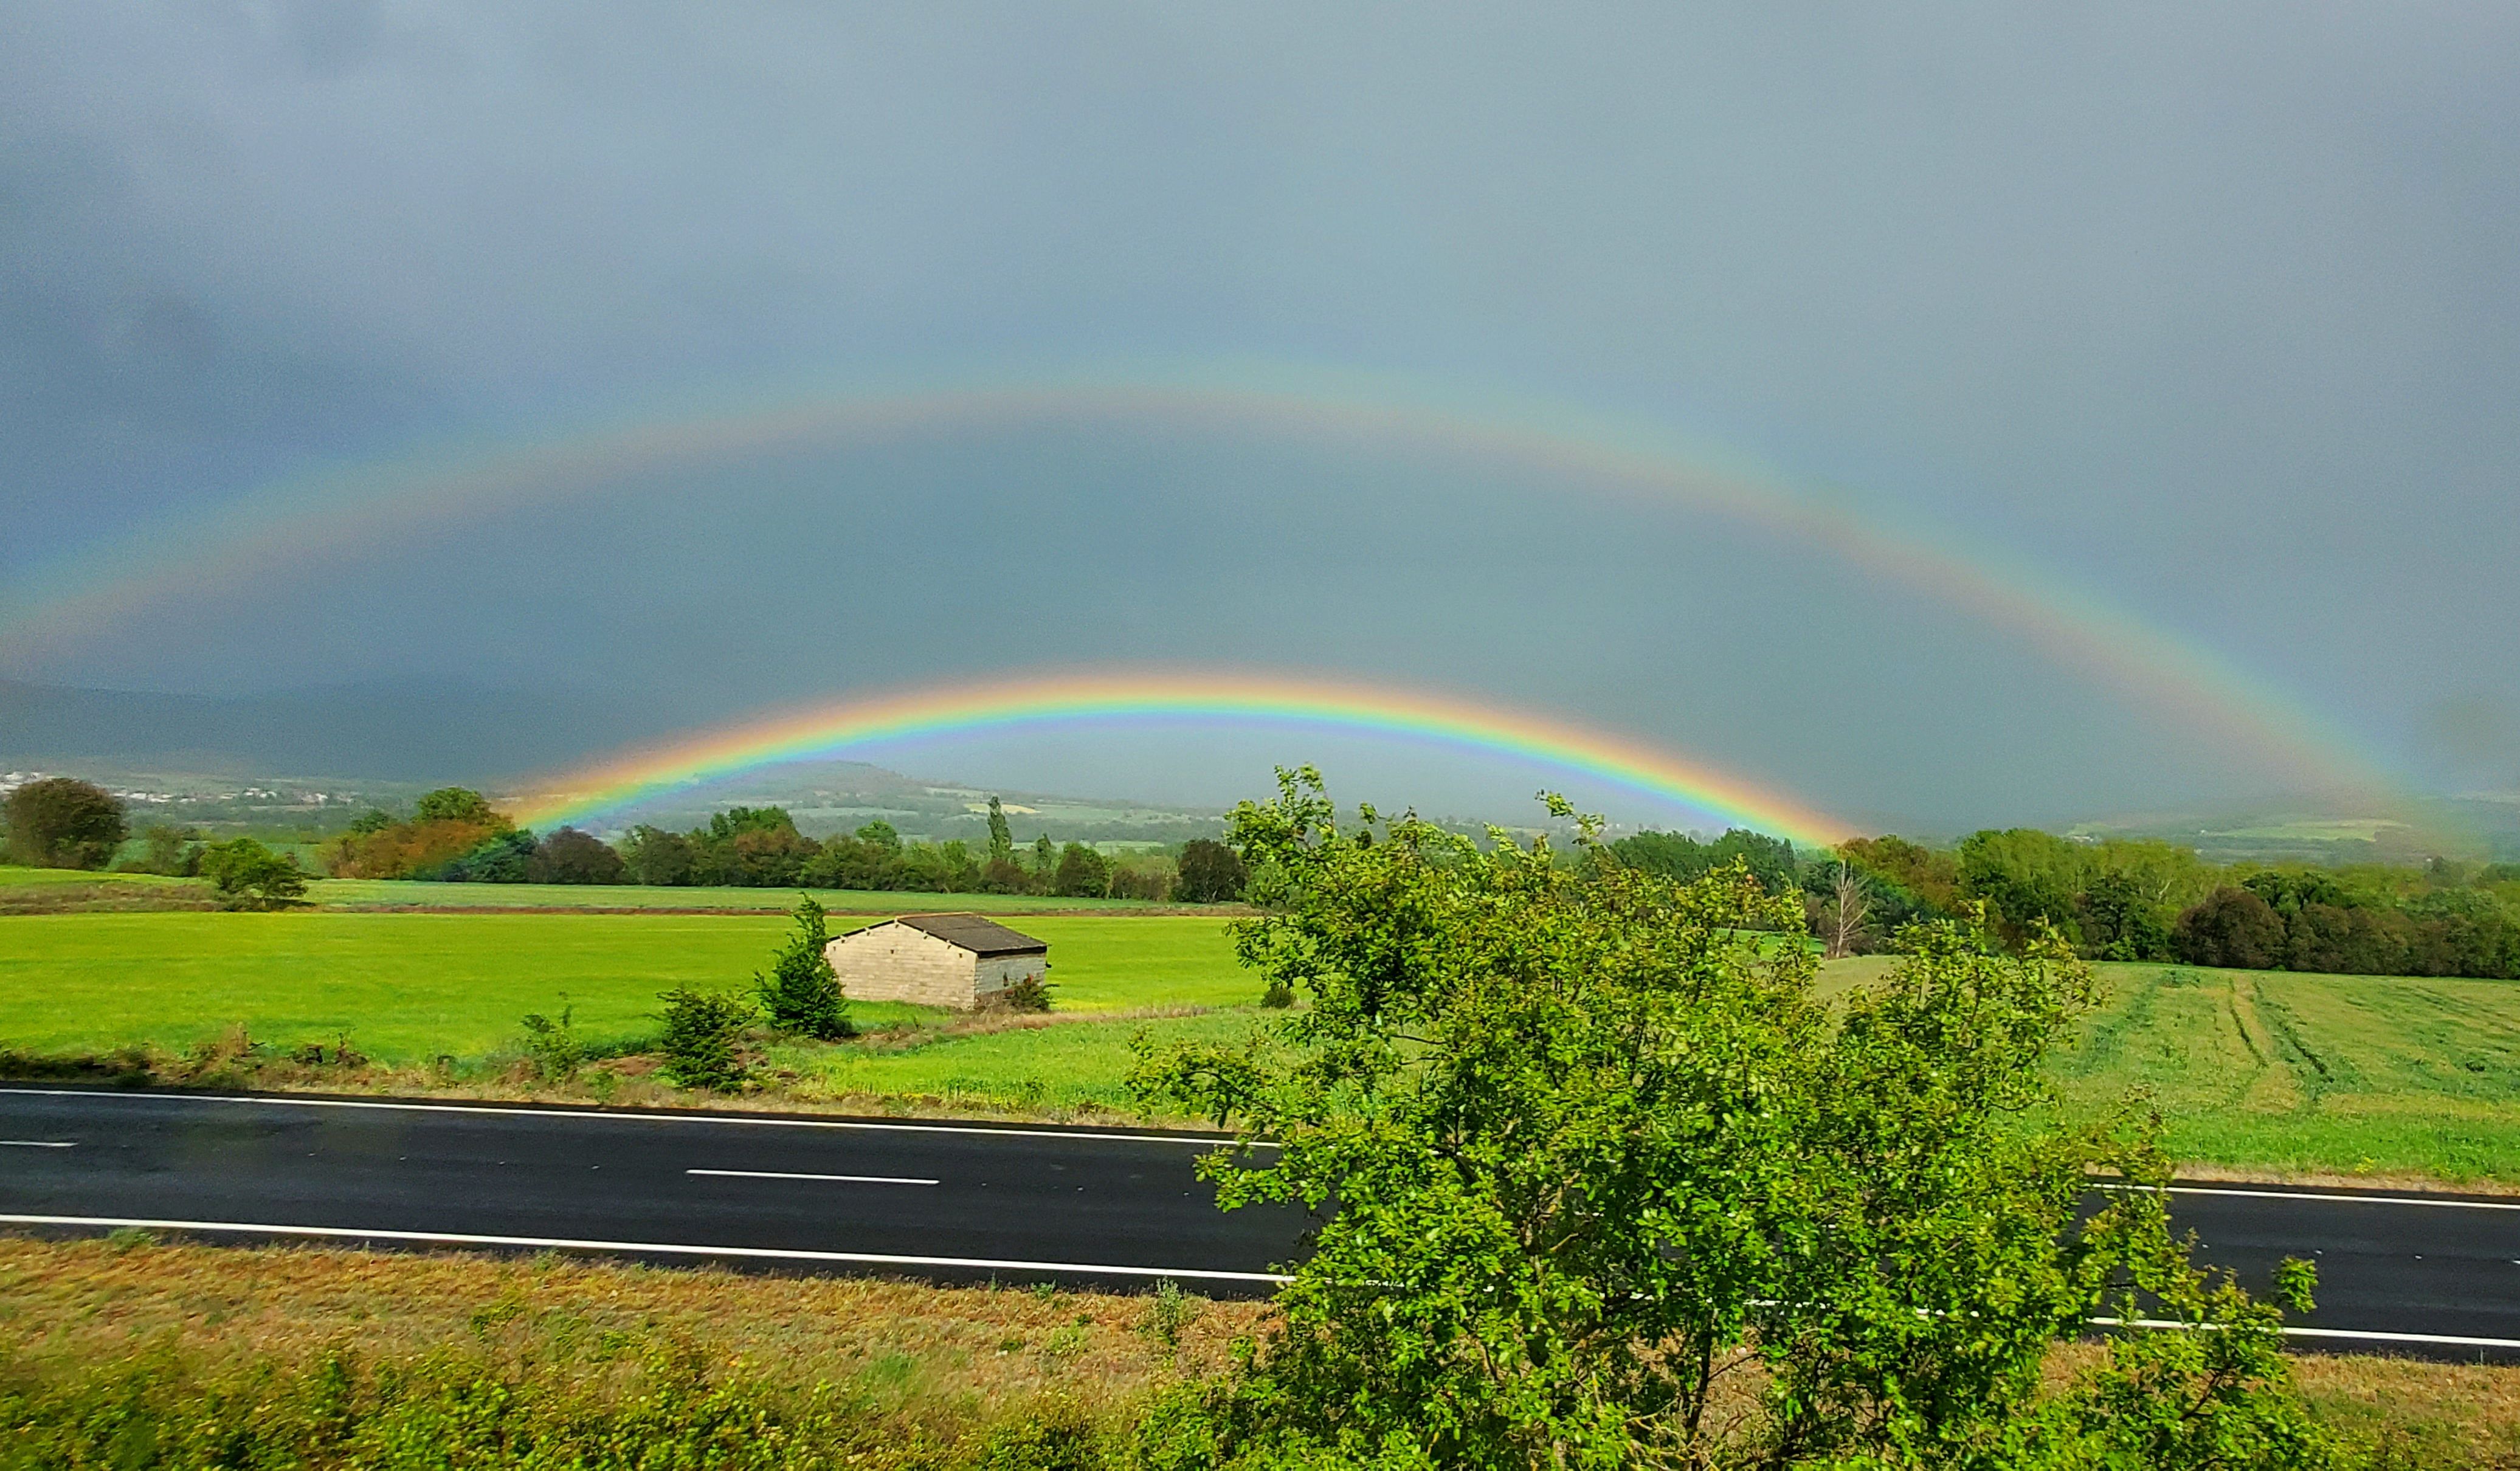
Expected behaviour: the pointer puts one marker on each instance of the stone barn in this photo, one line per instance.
(935, 960)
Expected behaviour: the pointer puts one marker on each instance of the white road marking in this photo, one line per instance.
(37, 1144)
(2365, 1335)
(2263, 1194)
(663, 1248)
(858, 1180)
(693, 1116)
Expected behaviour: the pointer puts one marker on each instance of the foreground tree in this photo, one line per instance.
(1598, 1156)
(64, 822)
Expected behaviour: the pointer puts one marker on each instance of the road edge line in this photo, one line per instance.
(666, 1248)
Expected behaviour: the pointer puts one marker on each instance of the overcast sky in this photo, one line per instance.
(2212, 313)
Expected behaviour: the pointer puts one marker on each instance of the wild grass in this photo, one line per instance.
(560, 1356)
(128, 1349)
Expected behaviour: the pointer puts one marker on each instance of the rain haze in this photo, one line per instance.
(1957, 417)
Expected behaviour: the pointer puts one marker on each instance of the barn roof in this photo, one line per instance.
(979, 936)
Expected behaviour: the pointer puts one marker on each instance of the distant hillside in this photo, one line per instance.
(382, 734)
(310, 757)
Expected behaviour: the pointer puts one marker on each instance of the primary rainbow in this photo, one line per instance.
(850, 726)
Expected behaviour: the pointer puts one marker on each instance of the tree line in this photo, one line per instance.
(455, 835)
(2130, 900)
(64, 822)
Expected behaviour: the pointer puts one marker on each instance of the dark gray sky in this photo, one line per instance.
(2210, 313)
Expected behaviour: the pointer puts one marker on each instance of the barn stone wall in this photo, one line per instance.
(894, 962)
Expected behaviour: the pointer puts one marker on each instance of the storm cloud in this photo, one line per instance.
(2210, 316)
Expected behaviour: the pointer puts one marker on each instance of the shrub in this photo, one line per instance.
(250, 876)
(1277, 996)
(552, 1047)
(1026, 995)
(702, 1032)
(1169, 1310)
(801, 994)
(63, 822)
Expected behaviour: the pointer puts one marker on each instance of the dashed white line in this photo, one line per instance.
(856, 1179)
(38, 1143)
(653, 1248)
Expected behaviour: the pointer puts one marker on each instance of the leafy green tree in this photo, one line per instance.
(2230, 926)
(1210, 872)
(172, 849)
(655, 856)
(374, 820)
(1593, 1147)
(880, 835)
(249, 876)
(1909, 880)
(457, 804)
(2026, 877)
(1044, 857)
(569, 855)
(1002, 839)
(506, 856)
(724, 825)
(1676, 855)
(2120, 922)
(703, 1031)
(801, 994)
(1083, 873)
(64, 822)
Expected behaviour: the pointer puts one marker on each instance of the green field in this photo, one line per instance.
(409, 987)
(2313, 1074)
(2301, 1074)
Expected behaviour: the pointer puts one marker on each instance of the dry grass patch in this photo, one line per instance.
(939, 1355)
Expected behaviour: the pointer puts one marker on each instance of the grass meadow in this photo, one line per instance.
(409, 987)
(2300, 1076)
(2313, 1075)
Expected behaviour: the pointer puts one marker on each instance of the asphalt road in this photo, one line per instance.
(2431, 1275)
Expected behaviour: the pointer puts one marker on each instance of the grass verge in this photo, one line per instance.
(131, 1353)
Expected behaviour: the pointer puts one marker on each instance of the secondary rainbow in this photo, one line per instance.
(296, 523)
(852, 726)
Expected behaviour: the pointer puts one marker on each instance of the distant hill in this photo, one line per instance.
(314, 756)
(382, 734)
